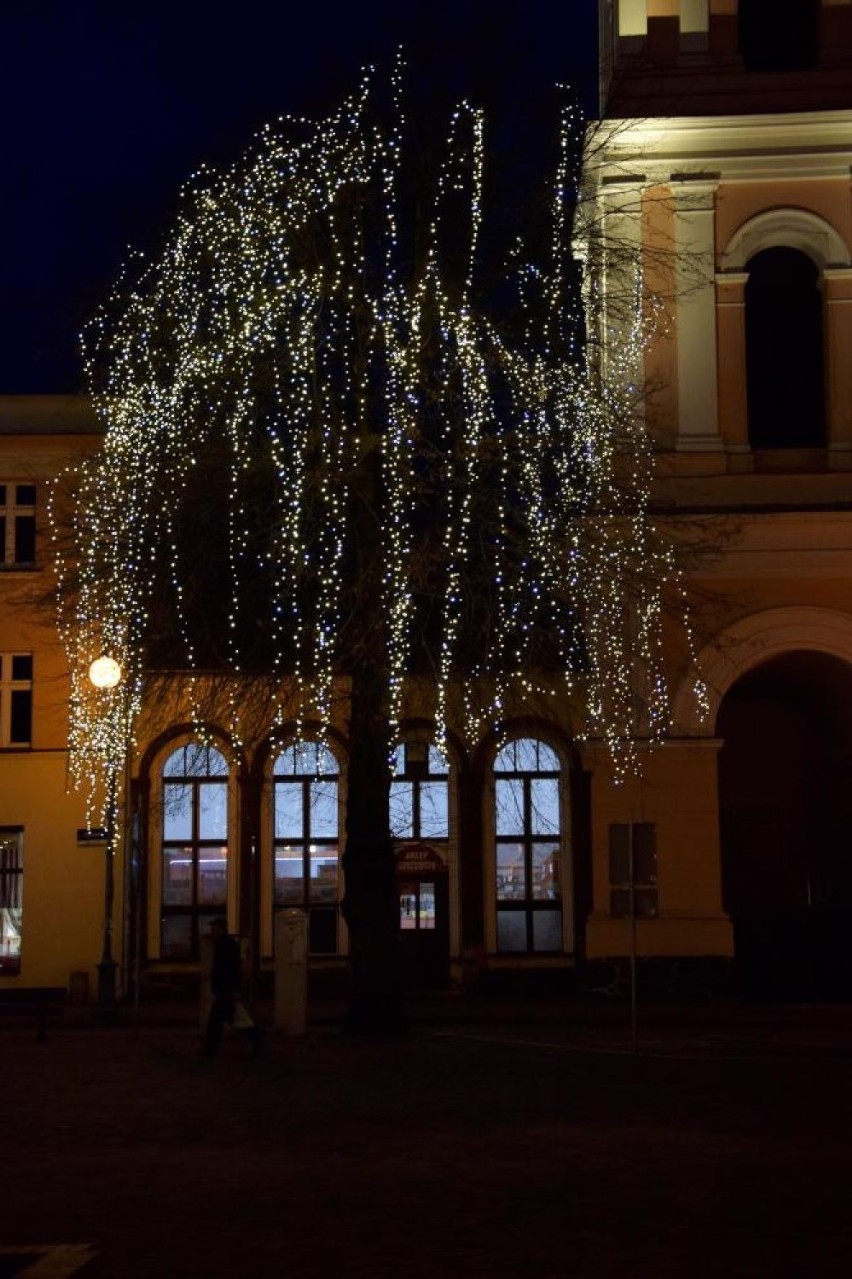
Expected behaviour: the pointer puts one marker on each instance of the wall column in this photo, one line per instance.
(632, 18)
(733, 387)
(837, 285)
(694, 205)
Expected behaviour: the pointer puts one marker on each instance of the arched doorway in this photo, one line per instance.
(786, 825)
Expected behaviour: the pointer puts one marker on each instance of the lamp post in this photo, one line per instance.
(105, 673)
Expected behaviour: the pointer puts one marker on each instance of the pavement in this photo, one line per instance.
(499, 1138)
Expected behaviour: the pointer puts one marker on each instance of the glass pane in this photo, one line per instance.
(3, 493)
(322, 817)
(527, 755)
(2, 539)
(511, 873)
(509, 805)
(438, 766)
(177, 810)
(398, 761)
(10, 872)
(427, 905)
(25, 494)
(213, 810)
(511, 930)
(196, 760)
(408, 907)
(10, 939)
(25, 539)
(544, 805)
(548, 760)
(20, 728)
(11, 880)
(434, 818)
(174, 765)
(176, 936)
(177, 876)
(323, 885)
(212, 876)
(22, 666)
(546, 886)
(547, 929)
(206, 761)
(307, 759)
(288, 810)
(289, 877)
(402, 810)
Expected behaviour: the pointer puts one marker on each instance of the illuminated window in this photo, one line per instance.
(16, 699)
(528, 847)
(17, 525)
(305, 839)
(11, 900)
(194, 847)
(784, 351)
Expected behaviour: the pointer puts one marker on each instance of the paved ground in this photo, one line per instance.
(498, 1140)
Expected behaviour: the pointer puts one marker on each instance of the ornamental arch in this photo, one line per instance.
(785, 823)
(747, 643)
(791, 269)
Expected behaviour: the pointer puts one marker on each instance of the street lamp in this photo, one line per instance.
(105, 674)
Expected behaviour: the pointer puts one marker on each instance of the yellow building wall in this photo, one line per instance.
(677, 792)
(63, 881)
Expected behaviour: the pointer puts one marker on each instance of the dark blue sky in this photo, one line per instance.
(109, 105)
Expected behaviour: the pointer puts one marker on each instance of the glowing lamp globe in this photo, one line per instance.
(105, 672)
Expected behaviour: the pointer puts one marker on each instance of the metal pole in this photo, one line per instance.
(634, 1024)
(107, 1011)
(136, 864)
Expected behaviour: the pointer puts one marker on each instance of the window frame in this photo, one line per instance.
(199, 911)
(417, 774)
(11, 896)
(527, 903)
(11, 512)
(323, 915)
(10, 686)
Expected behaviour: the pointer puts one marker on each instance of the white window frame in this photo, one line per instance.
(12, 510)
(8, 686)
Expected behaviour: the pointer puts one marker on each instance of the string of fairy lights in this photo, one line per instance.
(284, 321)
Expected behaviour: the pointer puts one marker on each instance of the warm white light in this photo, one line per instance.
(289, 324)
(105, 672)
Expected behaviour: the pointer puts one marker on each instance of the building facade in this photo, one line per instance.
(725, 156)
(723, 159)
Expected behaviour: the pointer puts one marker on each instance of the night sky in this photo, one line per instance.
(108, 106)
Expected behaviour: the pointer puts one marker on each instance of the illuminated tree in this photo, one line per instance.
(338, 464)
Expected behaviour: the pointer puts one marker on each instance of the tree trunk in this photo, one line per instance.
(370, 905)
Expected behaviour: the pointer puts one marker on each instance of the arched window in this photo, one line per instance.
(784, 351)
(306, 870)
(194, 847)
(528, 847)
(778, 38)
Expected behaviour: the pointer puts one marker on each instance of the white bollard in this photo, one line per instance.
(291, 971)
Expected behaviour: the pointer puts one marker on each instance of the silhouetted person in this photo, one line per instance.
(225, 981)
